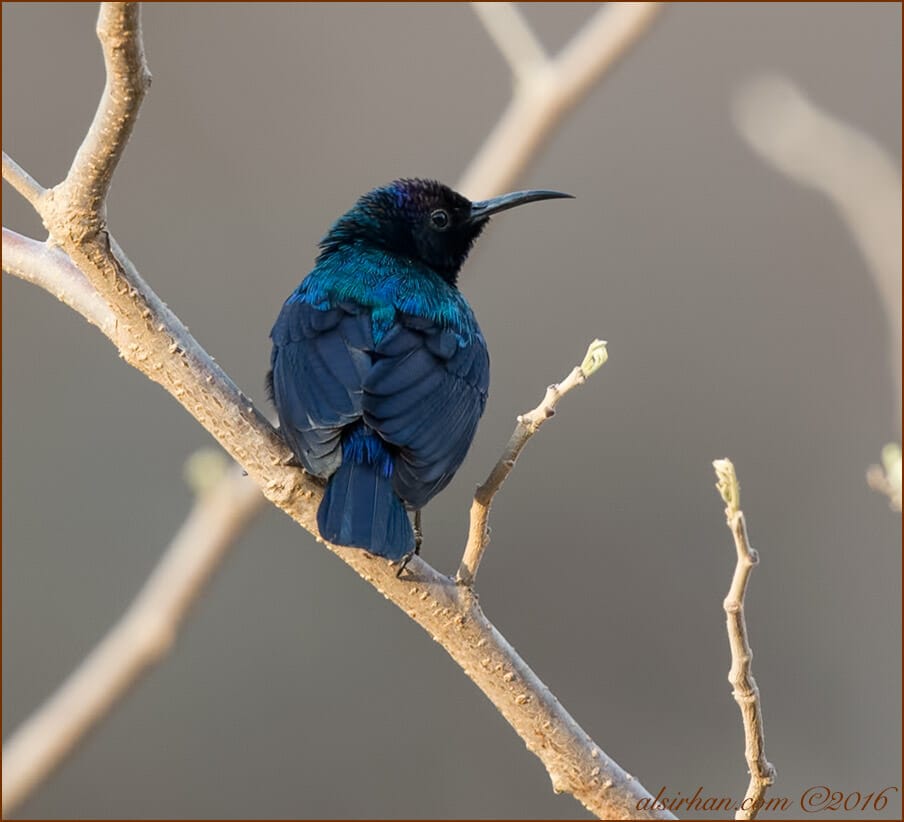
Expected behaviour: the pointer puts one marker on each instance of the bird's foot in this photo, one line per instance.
(403, 562)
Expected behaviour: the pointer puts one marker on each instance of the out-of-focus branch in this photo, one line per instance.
(513, 37)
(142, 636)
(886, 478)
(527, 425)
(818, 150)
(153, 340)
(745, 690)
(548, 88)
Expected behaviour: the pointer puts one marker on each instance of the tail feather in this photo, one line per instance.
(360, 507)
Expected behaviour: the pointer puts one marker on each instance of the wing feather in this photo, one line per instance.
(319, 361)
(425, 395)
(422, 388)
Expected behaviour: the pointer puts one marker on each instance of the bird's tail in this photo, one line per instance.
(360, 507)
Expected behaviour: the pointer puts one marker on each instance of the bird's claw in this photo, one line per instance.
(403, 562)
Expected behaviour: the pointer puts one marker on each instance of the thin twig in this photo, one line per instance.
(23, 182)
(745, 690)
(513, 36)
(155, 342)
(546, 93)
(48, 267)
(526, 426)
(142, 636)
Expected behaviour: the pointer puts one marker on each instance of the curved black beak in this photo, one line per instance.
(483, 209)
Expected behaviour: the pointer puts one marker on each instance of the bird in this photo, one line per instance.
(379, 371)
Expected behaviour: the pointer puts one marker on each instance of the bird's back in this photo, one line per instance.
(378, 362)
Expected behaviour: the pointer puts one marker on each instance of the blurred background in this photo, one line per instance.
(741, 320)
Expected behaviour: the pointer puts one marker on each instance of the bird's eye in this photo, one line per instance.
(440, 219)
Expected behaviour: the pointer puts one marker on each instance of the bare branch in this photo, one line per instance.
(155, 342)
(46, 266)
(818, 150)
(612, 31)
(23, 182)
(142, 637)
(83, 193)
(513, 36)
(746, 692)
(545, 94)
(527, 425)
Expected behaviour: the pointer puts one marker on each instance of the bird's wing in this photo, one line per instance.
(425, 394)
(319, 361)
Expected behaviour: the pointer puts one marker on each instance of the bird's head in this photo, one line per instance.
(424, 220)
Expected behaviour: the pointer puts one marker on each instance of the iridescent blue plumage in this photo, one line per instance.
(379, 371)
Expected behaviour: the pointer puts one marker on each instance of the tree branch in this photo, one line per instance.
(143, 635)
(82, 195)
(23, 182)
(549, 89)
(513, 37)
(152, 339)
(527, 425)
(859, 178)
(745, 690)
(46, 266)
